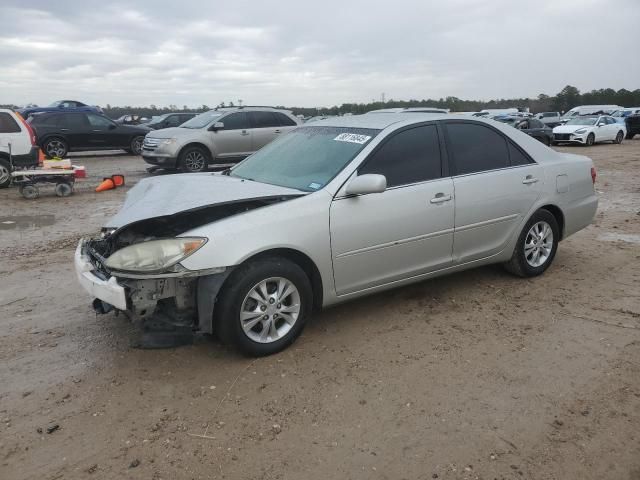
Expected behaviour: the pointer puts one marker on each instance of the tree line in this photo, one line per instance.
(566, 99)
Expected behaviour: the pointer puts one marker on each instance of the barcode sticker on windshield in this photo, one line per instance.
(352, 138)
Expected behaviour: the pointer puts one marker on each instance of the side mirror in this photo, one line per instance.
(369, 183)
(216, 126)
(601, 124)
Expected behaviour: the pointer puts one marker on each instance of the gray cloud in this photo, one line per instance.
(311, 53)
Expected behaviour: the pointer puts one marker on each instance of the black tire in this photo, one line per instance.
(136, 145)
(234, 295)
(591, 139)
(5, 173)
(619, 137)
(30, 192)
(546, 141)
(519, 264)
(193, 160)
(63, 189)
(630, 136)
(55, 147)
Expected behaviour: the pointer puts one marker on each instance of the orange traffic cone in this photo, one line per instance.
(118, 180)
(107, 184)
(41, 157)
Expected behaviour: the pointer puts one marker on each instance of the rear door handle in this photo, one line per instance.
(244, 133)
(441, 198)
(529, 180)
(278, 131)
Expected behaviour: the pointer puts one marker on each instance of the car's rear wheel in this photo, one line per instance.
(591, 139)
(263, 306)
(136, 145)
(619, 137)
(536, 246)
(63, 189)
(5, 173)
(55, 147)
(193, 159)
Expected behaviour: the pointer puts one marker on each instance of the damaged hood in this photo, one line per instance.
(171, 194)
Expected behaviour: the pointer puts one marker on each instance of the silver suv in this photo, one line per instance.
(220, 137)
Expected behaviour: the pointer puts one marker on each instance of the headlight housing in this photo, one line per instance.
(167, 141)
(154, 255)
(581, 130)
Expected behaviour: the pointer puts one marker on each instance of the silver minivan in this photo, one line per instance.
(220, 137)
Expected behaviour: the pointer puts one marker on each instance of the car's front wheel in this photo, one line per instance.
(193, 159)
(619, 137)
(536, 246)
(263, 306)
(591, 139)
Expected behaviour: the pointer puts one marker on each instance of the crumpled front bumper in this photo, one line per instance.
(109, 291)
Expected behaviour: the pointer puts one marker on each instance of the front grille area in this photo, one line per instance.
(150, 143)
(562, 136)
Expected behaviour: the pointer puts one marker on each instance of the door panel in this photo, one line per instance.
(490, 206)
(380, 238)
(235, 139)
(76, 129)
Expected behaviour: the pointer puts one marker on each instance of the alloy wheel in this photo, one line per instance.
(55, 148)
(270, 310)
(538, 244)
(4, 174)
(194, 161)
(136, 146)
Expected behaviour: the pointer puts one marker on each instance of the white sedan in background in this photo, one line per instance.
(590, 130)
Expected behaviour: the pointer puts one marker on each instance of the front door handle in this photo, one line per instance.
(244, 133)
(529, 179)
(278, 131)
(441, 198)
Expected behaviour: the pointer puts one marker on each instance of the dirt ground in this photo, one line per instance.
(478, 375)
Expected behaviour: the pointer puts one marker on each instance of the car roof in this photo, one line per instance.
(379, 121)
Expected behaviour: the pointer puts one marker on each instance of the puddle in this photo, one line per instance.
(26, 221)
(623, 237)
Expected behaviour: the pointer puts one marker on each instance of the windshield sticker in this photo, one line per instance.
(314, 186)
(352, 138)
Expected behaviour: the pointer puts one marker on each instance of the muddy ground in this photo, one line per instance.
(478, 375)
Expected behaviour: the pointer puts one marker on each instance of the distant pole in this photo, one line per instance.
(382, 96)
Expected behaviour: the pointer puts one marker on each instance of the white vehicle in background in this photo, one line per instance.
(590, 130)
(411, 110)
(17, 145)
(620, 115)
(588, 110)
(491, 112)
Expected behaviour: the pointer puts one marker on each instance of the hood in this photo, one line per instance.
(125, 127)
(570, 128)
(171, 194)
(172, 132)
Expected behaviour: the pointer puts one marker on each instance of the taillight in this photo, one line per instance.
(32, 134)
(593, 175)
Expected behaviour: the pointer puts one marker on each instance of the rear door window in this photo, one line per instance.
(410, 156)
(264, 120)
(476, 148)
(284, 120)
(8, 124)
(517, 157)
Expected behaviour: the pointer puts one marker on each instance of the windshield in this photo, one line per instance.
(621, 113)
(508, 120)
(305, 159)
(582, 121)
(56, 103)
(202, 120)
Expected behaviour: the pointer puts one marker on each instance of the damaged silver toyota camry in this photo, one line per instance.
(329, 212)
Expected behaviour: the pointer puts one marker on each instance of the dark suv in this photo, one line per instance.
(59, 133)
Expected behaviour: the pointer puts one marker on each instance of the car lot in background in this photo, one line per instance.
(17, 145)
(168, 120)
(620, 115)
(531, 126)
(62, 132)
(222, 136)
(550, 119)
(411, 110)
(131, 119)
(587, 130)
(319, 196)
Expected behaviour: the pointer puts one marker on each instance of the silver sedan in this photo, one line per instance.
(334, 210)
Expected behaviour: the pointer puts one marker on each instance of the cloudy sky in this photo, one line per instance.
(321, 53)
